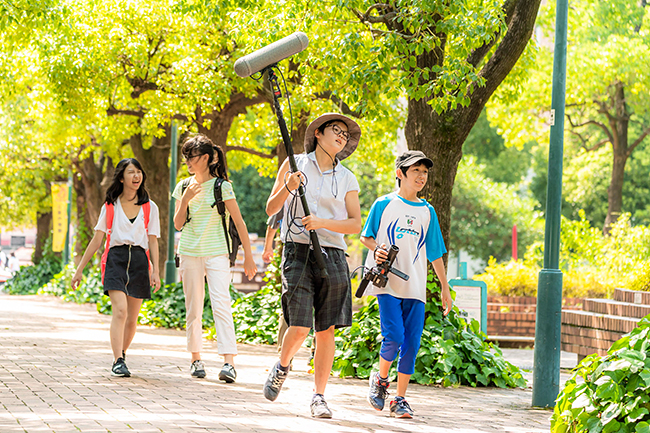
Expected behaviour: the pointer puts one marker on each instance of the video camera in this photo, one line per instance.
(378, 274)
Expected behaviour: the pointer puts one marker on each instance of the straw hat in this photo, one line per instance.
(353, 129)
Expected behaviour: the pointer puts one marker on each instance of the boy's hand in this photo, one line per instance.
(293, 180)
(267, 255)
(445, 297)
(380, 254)
(312, 223)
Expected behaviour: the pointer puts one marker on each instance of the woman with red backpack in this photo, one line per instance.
(130, 221)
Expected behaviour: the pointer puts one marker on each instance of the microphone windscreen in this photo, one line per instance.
(270, 54)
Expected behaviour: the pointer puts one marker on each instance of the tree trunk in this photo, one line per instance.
(91, 181)
(84, 224)
(620, 126)
(43, 229)
(155, 164)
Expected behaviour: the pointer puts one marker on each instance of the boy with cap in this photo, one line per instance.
(410, 223)
(332, 192)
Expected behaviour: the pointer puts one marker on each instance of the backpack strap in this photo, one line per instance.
(184, 185)
(110, 213)
(146, 209)
(221, 208)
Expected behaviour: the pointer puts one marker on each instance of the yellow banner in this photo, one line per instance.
(59, 215)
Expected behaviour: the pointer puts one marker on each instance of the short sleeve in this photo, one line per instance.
(227, 192)
(101, 221)
(178, 191)
(154, 220)
(353, 183)
(434, 242)
(371, 228)
(276, 220)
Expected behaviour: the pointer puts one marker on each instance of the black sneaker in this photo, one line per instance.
(400, 408)
(319, 407)
(197, 369)
(228, 373)
(274, 382)
(378, 391)
(119, 368)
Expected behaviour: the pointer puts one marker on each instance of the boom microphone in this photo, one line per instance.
(270, 54)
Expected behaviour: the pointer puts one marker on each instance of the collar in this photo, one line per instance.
(312, 157)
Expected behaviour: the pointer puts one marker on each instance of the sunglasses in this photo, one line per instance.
(191, 157)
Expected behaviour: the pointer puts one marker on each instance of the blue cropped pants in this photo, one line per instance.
(402, 322)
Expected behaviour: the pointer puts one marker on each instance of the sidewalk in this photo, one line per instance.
(54, 377)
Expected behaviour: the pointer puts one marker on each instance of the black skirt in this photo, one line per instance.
(127, 270)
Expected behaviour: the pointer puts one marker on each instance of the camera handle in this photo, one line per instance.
(399, 273)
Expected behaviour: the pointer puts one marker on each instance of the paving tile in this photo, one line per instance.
(54, 376)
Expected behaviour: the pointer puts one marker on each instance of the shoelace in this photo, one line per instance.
(383, 389)
(404, 404)
(198, 365)
(277, 380)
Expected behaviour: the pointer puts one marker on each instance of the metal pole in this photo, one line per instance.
(548, 325)
(66, 250)
(170, 266)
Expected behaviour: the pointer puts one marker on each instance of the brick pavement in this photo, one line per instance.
(54, 377)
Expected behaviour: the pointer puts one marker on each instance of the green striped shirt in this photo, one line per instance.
(203, 236)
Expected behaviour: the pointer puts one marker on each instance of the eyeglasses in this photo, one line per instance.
(188, 159)
(341, 133)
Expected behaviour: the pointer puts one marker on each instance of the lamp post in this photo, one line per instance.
(170, 266)
(548, 325)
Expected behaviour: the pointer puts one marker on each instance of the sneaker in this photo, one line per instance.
(400, 408)
(228, 373)
(378, 391)
(274, 382)
(197, 369)
(319, 407)
(119, 369)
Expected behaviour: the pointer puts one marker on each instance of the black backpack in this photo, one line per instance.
(230, 232)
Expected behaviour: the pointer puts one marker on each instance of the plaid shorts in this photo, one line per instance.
(310, 300)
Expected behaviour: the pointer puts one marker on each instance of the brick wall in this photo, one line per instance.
(514, 316)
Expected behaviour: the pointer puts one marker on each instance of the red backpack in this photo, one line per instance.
(110, 213)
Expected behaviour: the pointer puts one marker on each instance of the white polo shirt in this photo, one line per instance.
(325, 194)
(126, 232)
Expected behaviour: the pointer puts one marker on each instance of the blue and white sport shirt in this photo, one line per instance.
(413, 227)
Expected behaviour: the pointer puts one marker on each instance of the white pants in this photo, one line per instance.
(193, 271)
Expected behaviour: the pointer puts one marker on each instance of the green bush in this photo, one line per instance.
(640, 279)
(452, 351)
(256, 316)
(29, 279)
(89, 290)
(609, 393)
(593, 264)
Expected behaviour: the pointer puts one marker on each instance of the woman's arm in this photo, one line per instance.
(153, 252)
(280, 193)
(91, 249)
(351, 225)
(250, 269)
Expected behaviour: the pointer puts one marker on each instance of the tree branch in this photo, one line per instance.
(345, 108)
(592, 122)
(112, 111)
(478, 54)
(638, 141)
(520, 30)
(251, 151)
